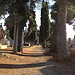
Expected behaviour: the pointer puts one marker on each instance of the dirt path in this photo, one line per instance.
(32, 62)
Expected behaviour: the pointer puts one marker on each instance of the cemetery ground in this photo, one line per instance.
(33, 61)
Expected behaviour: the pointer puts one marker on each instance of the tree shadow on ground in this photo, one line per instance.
(57, 68)
(24, 54)
(33, 54)
(27, 54)
(17, 66)
(5, 50)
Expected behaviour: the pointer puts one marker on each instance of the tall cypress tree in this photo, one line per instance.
(45, 24)
(53, 48)
(32, 30)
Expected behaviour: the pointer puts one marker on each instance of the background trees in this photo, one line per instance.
(17, 18)
(21, 11)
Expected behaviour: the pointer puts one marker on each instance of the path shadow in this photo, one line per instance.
(32, 54)
(24, 54)
(27, 54)
(17, 66)
(5, 50)
(58, 68)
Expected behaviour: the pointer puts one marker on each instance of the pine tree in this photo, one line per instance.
(59, 14)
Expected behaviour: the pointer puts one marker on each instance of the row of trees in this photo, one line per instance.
(21, 11)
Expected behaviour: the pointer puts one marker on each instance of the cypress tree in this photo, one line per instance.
(32, 30)
(53, 48)
(45, 24)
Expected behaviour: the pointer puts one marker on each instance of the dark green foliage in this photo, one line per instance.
(19, 12)
(70, 10)
(32, 29)
(45, 22)
(11, 32)
(32, 32)
(71, 2)
(7, 34)
(32, 37)
(54, 11)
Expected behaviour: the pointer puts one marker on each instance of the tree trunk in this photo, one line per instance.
(44, 44)
(16, 30)
(61, 30)
(53, 48)
(20, 37)
(15, 39)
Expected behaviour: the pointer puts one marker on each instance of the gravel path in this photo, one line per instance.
(32, 62)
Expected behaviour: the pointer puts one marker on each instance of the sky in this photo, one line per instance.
(3, 21)
(70, 32)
